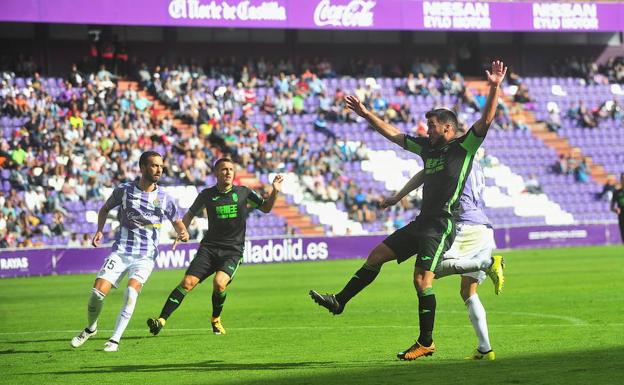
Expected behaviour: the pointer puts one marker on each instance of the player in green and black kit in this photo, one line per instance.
(617, 205)
(221, 249)
(447, 164)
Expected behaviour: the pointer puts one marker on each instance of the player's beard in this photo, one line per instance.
(433, 142)
(152, 178)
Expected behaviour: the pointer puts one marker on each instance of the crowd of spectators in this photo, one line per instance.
(80, 134)
(611, 71)
(573, 165)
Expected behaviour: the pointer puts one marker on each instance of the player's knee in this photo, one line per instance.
(219, 286)
(420, 284)
(188, 283)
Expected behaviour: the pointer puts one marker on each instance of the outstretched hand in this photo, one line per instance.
(277, 182)
(497, 74)
(356, 105)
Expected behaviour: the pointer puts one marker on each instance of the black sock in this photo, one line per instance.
(218, 298)
(426, 316)
(359, 281)
(173, 301)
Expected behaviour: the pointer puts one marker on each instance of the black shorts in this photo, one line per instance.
(210, 259)
(428, 238)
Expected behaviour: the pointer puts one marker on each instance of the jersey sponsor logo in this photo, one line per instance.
(433, 165)
(138, 218)
(215, 198)
(227, 211)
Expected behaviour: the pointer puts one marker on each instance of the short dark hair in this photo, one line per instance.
(222, 160)
(444, 116)
(145, 156)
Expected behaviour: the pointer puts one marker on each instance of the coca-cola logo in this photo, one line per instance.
(357, 13)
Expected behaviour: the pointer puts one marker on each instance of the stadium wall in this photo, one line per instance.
(63, 260)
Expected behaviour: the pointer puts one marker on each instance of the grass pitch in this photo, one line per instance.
(558, 321)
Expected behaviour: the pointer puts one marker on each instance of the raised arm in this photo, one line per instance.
(387, 130)
(495, 79)
(267, 205)
(416, 181)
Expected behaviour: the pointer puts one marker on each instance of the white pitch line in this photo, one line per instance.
(322, 328)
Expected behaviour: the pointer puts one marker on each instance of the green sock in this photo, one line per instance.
(173, 301)
(426, 316)
(357, 283)
(218, 298)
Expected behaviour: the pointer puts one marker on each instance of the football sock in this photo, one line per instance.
(476, 313)
(461, 266)
(173, 301)
(359, 281)
(426, 315)
(218, 298)
(94, 307)
(130, 298)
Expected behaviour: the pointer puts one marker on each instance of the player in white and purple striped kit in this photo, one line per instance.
(142, 208)
(471, 253)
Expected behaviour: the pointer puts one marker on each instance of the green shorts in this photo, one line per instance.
(210, 259)
(428, 238)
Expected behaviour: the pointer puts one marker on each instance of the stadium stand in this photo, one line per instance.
(66, 141)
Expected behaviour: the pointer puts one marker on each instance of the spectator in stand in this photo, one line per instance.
(522, 95)
(554, 120)
(586, 118)
(74, 241)
(561, 165)
(502, 121)
(532, 185)
(320, 125)
(581, 172)
(607, 189)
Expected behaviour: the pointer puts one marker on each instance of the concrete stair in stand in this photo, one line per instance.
(540, 131)
(302, 223)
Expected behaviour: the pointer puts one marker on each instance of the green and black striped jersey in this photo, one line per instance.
(446, 171)
(227, 215)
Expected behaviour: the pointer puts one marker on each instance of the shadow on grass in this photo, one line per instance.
(565, 368)
(210, 365)
(99, 337)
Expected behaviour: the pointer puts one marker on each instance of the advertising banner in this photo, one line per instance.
(412, 15)
(32, 262)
